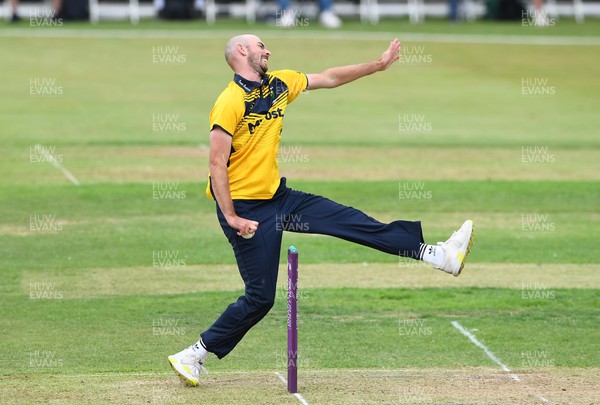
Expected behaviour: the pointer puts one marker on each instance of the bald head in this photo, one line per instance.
(232, 50)
(247, 56)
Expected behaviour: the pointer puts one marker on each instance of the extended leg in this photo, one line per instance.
(310, 213)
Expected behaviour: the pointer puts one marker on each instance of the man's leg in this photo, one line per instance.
(310, 213)
(258, 261)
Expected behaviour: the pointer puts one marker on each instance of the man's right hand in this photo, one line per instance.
(220, 148)
(244, 226)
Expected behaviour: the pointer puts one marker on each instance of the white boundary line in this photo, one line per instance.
(489, 353)
(300, 397)
(338, 35)
(40, 149)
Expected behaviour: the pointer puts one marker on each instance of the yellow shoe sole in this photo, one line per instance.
(186, 381)
(464, 258)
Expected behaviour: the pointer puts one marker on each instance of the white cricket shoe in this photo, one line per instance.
(457, 248)
(330, 20)
(187, 365)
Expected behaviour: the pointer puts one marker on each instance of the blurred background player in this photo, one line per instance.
(540, 18)
(327, 18)
(179, 9)
(14, 15)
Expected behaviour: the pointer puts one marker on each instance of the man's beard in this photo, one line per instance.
(255, 63)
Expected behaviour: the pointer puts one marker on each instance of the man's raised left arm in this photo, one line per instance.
(337, 76)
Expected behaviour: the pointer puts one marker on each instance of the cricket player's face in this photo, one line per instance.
(258, 56)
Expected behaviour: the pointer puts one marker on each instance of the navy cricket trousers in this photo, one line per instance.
(258, 257)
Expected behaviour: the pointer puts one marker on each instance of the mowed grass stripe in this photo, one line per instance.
(534, 281)
(331, 386)
(114, 226)
(470, 94)
(405, 194)
(397, 327)
(301, 162)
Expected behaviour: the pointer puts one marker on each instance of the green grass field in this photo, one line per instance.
(102, 280)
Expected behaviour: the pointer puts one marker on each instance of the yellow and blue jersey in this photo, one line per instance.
(252, 113)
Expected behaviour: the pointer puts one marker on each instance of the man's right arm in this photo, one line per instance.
(220, 148)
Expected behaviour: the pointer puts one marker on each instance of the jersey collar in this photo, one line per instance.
(249, 85)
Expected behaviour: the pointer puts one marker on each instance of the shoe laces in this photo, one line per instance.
(201, 366)
(454, 234)
(196, 363)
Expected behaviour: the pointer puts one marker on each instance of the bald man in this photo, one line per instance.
(254, 205)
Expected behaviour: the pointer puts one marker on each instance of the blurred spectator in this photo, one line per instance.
(540, 19)
(71, 10)
(14, 5)
(505, 10)
(57, 7)
(179, 9)
(454, 10)
(327, 18)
